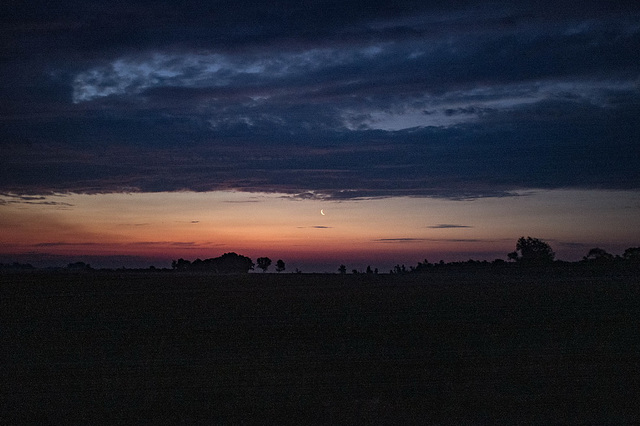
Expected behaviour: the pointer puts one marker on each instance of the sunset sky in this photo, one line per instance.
(135, 133)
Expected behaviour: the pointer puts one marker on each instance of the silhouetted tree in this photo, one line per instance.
(342, 269)
(598, 255)
(79, 266)
(263, 263)
(533, 252)
(399, 269)
(632, 254)
(233, 263)
(599, 261)
(17, 266)
(280, 265)
(228, 263)
(180, 264)
(369, 270)
(422, 266)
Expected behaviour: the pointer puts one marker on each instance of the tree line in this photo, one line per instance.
(228, 263)
(529, 252)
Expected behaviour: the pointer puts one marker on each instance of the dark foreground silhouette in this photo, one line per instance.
(451, 347)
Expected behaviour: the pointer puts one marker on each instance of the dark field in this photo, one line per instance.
(160, 347)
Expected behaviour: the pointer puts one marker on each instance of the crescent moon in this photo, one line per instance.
(322, 212)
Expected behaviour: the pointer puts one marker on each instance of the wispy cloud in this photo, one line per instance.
(573, 244)
(448, 240)
(448, 225)
(64, 244)
(399, 240)
(126, 76)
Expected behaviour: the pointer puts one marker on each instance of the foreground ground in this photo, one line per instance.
(174, 348)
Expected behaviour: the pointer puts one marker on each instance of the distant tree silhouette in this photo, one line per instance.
(228, 263)
(422, 267)
(369, 270)
(631, 258)
(632, 254)
(233, 263)
(79, 266)
(17, 266)
(598, 255)
(599, 261)
(342, 269)
(532, 252)
(399, 269)
(280, 265)
(180, 264)
(263, 263)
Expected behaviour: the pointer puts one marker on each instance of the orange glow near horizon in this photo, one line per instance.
(393, 230)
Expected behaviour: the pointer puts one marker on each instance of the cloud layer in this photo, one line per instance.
(331, 100)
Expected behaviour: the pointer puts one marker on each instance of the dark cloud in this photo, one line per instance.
(62, 243)
(399, 240)
(447, 240)
(316, 227)
(8, 198)
(323, 100)
(573, 244)
(447, 226)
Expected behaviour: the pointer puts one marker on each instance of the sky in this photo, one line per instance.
(139, 132)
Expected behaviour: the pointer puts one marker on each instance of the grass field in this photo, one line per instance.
(163, 347)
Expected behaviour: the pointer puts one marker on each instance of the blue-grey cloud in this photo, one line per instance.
(331, 100)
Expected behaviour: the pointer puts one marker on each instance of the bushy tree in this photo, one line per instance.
(79, 266)
(228, 263)
(532, 251)
(263, 263)
(632, 254)
(180, 264)
(342, 269)
(280, 265)
(598, 255)
(232, 263)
